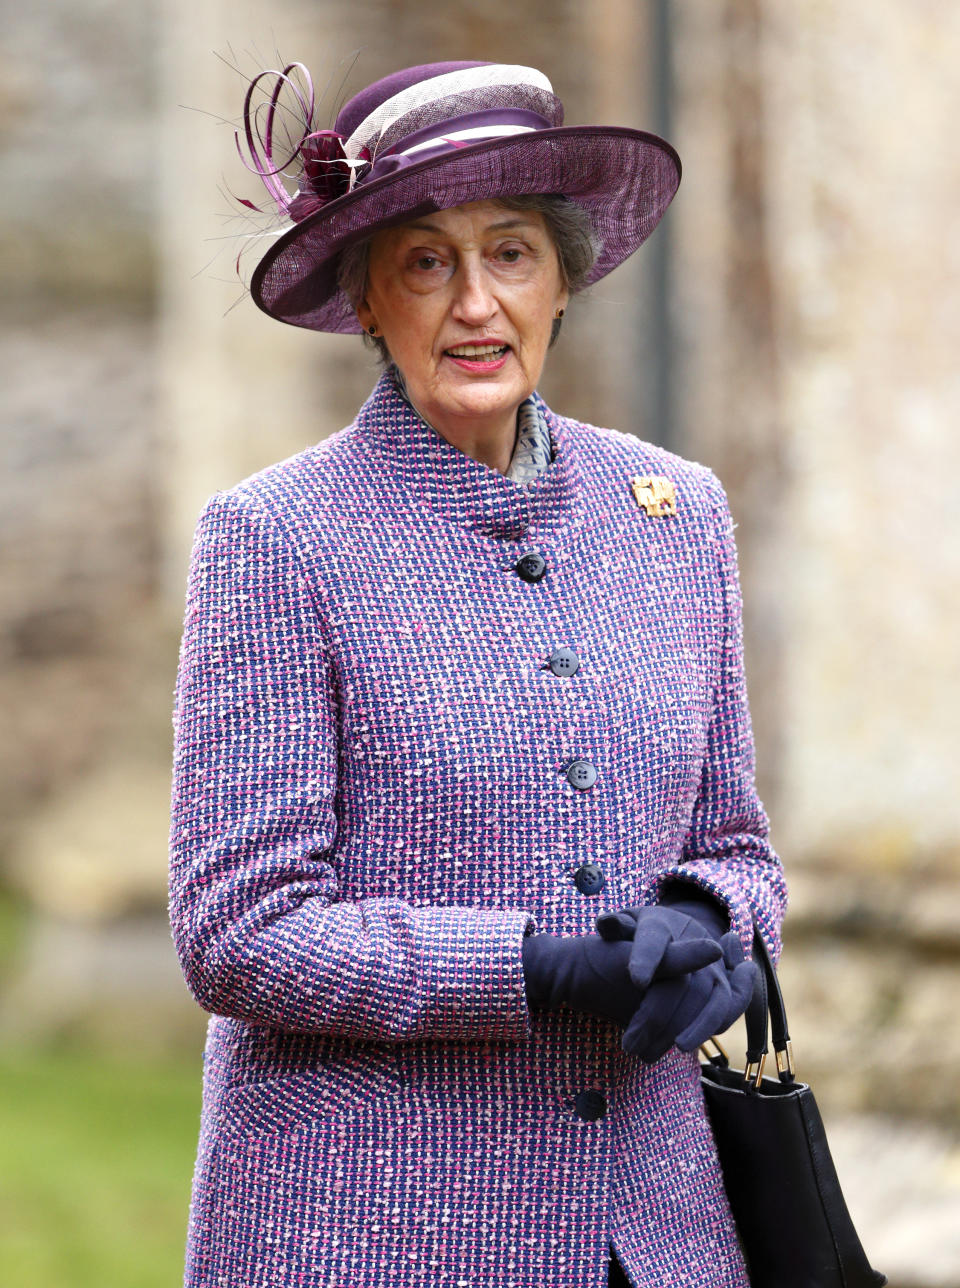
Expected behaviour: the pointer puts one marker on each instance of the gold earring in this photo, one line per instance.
(560, 313)
(372, 328)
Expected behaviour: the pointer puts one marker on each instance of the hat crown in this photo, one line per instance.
(368, 100)
(417, 98)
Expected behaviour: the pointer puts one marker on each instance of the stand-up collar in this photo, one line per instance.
(416, 458)
(533, 449)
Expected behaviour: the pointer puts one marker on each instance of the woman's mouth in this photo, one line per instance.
(479, 357)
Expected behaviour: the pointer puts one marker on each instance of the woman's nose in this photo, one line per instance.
(474, 300)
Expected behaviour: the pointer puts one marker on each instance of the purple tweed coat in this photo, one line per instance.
(371, 806)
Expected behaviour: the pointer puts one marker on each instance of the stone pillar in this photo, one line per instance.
(727, 364)
(239, 390)
(816, 319)
(863, 194)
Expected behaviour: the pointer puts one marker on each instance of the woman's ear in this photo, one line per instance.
(365, 316)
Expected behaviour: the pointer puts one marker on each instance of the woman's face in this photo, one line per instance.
(474, 275)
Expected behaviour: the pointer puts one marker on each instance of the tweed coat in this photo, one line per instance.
(373, 802)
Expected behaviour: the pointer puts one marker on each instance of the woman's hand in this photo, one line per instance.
(591, 973)
(666, 941)
(584, 971)
(686, 1011)
(687, 1008)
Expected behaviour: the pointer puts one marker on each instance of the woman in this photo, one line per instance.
(465, 846)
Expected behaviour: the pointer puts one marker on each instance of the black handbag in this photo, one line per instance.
(793, 1223)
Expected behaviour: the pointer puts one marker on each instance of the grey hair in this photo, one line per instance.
(570, 228)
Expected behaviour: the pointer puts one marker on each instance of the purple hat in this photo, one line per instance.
(425, 139)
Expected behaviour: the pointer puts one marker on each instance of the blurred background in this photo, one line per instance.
(794, 323)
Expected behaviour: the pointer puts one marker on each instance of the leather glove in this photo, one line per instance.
(686, 1010)
(591, 974)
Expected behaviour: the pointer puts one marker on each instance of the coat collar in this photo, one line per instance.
(413, 456)
(533, 450)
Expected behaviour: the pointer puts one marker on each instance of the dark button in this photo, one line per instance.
(531, 566)
(590, 1105)
(563, 661)
(581, 775)
(589, 878)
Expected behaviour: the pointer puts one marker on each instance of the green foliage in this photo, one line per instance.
(96, 1157)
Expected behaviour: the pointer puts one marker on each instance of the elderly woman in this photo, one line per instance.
(465, 850)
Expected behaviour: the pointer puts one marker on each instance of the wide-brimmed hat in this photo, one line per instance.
(428, 138)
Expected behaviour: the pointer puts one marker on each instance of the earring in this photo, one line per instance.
(372, 328)
(560, 313)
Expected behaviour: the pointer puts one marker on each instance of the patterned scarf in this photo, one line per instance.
(533, 450)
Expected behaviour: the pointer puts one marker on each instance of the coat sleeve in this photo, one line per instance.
(259, 928)
(726, 851)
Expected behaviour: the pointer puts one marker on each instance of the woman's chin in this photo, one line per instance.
(484, 394)
(482, 403)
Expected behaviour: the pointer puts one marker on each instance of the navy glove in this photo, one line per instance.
(667, 941)
(696, 903)
(686, 1010)
(584, 971)
(591, 974)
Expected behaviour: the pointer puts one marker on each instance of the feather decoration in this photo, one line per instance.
(326, 172)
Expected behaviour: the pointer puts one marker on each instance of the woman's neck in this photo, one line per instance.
(492, 442)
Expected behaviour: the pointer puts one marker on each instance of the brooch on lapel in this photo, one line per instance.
(654, 494)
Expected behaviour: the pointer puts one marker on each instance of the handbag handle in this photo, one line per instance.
(774, 1004)
(766, 1000)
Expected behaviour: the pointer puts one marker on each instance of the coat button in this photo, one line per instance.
(531, 566)
(581, 775)
(563, 661)
(589, 878)
(590, 1105)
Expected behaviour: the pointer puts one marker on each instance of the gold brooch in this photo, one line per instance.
(655, 495)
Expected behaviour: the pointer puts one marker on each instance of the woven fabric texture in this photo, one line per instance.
(371, 807)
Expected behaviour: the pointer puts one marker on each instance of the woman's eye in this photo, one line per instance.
(511, 254)
(426, 262)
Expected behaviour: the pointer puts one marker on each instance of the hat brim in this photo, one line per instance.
(624, 178)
